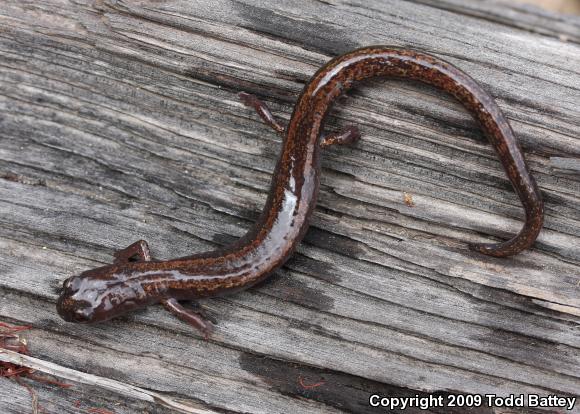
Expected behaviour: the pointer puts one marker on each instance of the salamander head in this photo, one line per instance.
(95, 295)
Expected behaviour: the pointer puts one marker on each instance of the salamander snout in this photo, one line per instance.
(76, 302)
(72, 310)
(81, 315)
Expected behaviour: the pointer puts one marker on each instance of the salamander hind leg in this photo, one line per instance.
(137, 252)
(348, 135)
(262, 109)
(195, 319)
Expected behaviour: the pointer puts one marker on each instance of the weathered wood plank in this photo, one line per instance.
(119, 121)
(516, 14)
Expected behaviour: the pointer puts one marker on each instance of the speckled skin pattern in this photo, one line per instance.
(108, 291)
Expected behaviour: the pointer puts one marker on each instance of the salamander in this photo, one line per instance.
(135, 280)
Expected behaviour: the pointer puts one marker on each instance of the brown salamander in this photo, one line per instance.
(134, 280)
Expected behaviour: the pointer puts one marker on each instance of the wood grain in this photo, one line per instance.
(119, 120)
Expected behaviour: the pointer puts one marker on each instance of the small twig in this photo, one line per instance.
(126, 390)
(309, 386)
(8, 333)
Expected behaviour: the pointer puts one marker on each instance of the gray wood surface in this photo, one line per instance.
(119, 120)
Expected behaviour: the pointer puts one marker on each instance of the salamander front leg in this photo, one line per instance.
(137, 252)
(195, 319)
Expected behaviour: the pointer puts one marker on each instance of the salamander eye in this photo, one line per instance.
(73, 283)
